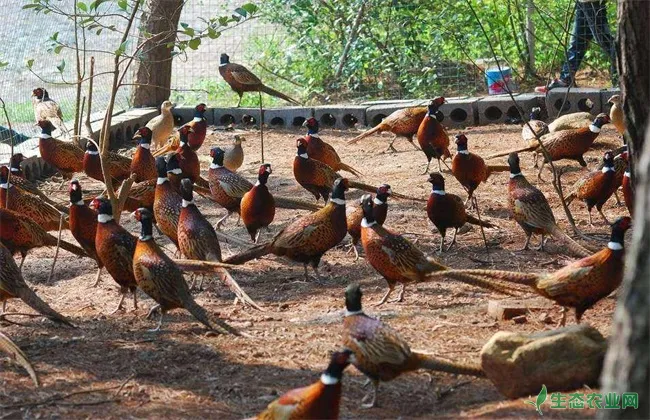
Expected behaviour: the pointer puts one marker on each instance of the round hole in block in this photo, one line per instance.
(377, 119)
(298, 121)
(493, 113)
(328, 120)
(558, 105)
(28, 171)
(129, 132)
(248, 119)
(582, 105)
(512, 112)
(227, 119)
(350, 120)
(458, 115)
(277, 121)
(119, 137)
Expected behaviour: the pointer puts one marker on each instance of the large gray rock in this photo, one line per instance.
(562, 359)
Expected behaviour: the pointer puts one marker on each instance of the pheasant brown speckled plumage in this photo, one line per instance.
(325, 152)
(18, 179)
(63, 155)
(321, 400)
(83, 222)
(12, 285)
(579, 285)
(143, 164)
(197, 239)
(381, 353)
(532, 212)
(234, 155)
(166, 203)
(119, 167)
(258, 204)
(227, 188)
(158, 276)
(354, 214)
(432, 136)
(196, 136)
(402, 123)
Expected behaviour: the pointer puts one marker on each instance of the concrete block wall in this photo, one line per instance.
(575, 101)
(342, 118)
(246, 117)
(499, 108)
(290, 117)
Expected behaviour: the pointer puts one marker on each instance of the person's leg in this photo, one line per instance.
(602, 35)
(580, 38)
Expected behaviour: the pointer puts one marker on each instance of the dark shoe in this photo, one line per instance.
(556, 83)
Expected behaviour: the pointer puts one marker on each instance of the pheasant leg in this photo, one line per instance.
(618, 200)
(400, 296)
(22, 261)
(221, 221)
(426, 170)
(99, 275)
(160, 321)
(442, 244)
(385, 298)
(603, 216)
(372, 395)
(257, 235)
(525, 248)
(563, 320)
(591, 221)
(119, 305)
(4, 307)
(453, 239)
(241, 95)
(135, 299)
(541, 244)
(390, 146)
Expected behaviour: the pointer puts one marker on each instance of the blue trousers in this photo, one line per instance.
(590, 23)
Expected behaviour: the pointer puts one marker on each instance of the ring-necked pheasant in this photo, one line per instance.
(470, 169)
(234, 155)
(566, 144)
(354, 215)
(579, 285)
(258, 204)
(195, 137)
(628, 191)
(596, 188)
(318, 177)
(115, 247)
(532, 212)
(325, 152)
(83, 224)
(397, 259)
(18, 179)
(12, 285)
(162, 125)
(402, 123)
(188, 161)
(616, 114)
(539, 127)
(306, 239)
(118, 166)
(381, 353)
(47, 109)
(320, 400)
(167, 203)
(143, 164)
(432, 136)
(63, 155)
(227, 189)
(158, 276)
(20, 233)
(446, 210)
(243, 80)
(13, 198)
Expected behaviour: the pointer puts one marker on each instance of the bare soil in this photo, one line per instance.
(185, 371)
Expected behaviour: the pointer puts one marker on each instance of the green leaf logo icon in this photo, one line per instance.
(541, 398)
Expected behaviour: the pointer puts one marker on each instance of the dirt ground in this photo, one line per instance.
(185, 371)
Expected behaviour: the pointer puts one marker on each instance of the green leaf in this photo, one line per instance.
(121, 49)
(194, 43)
(241, 11)
(189, 31)
(54, 36)
(61, 66)
(213, 34)
(250, 8)
(58, 49)
(542, 396)
(82, 6)
(122, 4)
(30, 63)
(3, 64)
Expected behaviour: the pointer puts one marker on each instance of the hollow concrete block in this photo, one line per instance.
(289, 117)
(246, 117)
(576, 101)
(187, 114)
(459, 112)
(343, 117)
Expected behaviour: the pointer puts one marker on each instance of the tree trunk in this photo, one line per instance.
(153, 73)
(627, 363)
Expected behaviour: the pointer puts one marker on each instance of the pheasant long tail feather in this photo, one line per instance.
(280, 95)
(573, 246)
(475, 221)
(289, 203)
(527, 279)
(425, 361)
(498, 168)
(464, 276)
(224, 238)
(34, 302)
(230, 282)
(250, 254)
(7, 346)
(569, 198)
(365, 134)
(51, 241)
(371, 189)
(528, 148)
(350, 169)
(202, 182)
(203, 192)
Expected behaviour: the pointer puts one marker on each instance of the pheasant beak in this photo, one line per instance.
(304, 124)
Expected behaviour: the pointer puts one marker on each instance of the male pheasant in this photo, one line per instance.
(432, 136)
(402, 123)
(325, 152)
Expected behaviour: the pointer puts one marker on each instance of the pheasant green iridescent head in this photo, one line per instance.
(513, 162)
(14, 163)
(383, 192)
(263, 173)
(367, 206)
(601, 120)
(312, 125)
(461, 143)
(184, 132)
(535, 113)
(617, 238)
(4, 175)
(217, 154)
(434, 104)
(225, 59)
(199, 110)
(102, 206)
(91, 149)
(437, 181)
(161, 167)
(301, 145)
(608, 161)
(338, 362)
(353, 298)
(46, 127)
(144, 136)
(341, 185)
(187, 189)
(145, 217)
(75, 192)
